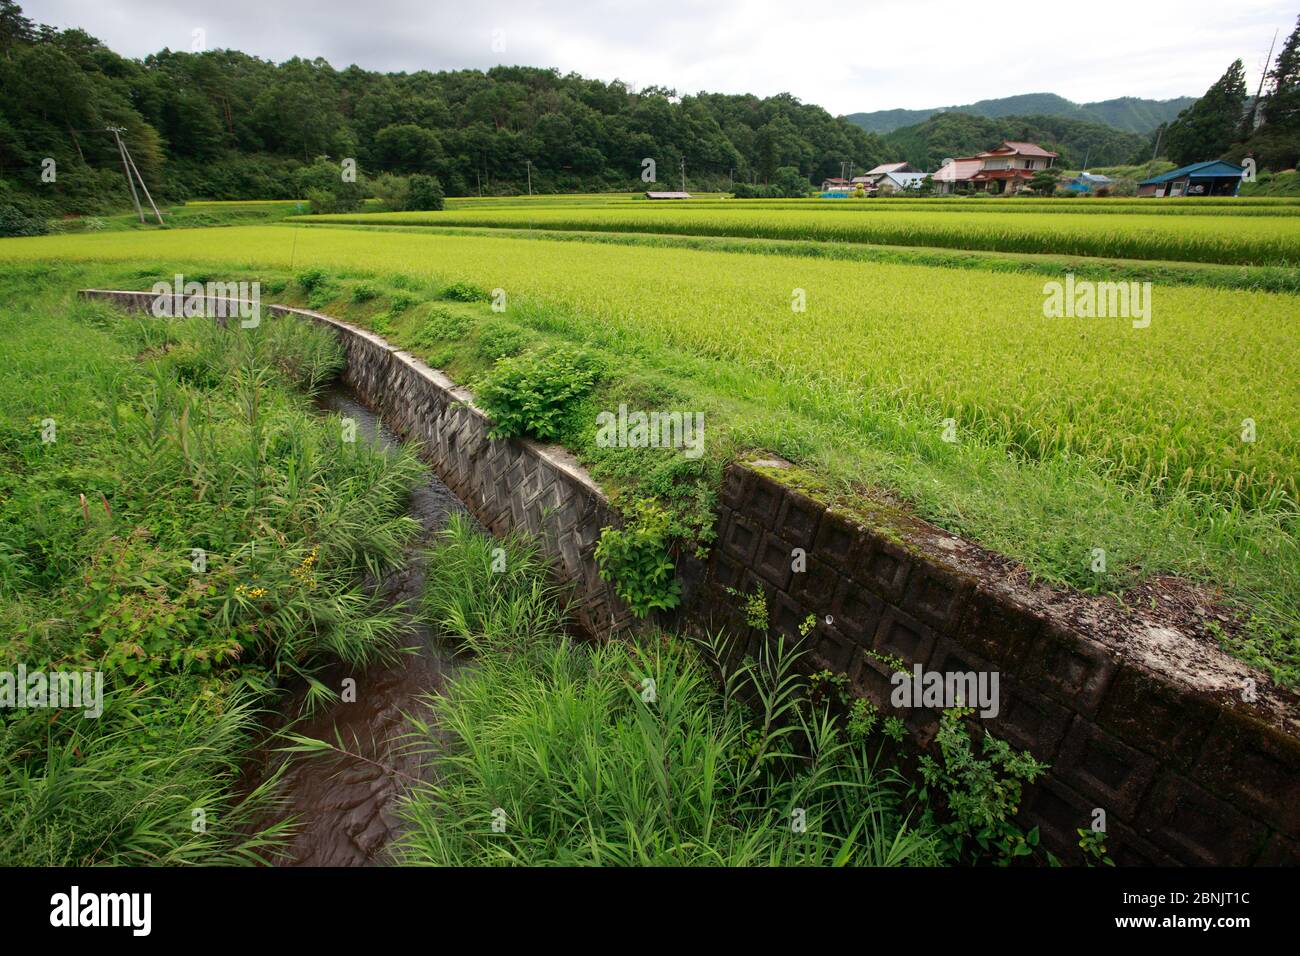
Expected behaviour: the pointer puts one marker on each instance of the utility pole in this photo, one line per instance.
(121, 151)
(529, 164)
(683, 174)
(152, 205)
(1160, 131)
(1254, 107)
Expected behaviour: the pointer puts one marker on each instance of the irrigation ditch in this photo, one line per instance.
(1192, 756)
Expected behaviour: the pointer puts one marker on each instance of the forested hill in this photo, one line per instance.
(944, 135)
(223, 124)
(1129, 113)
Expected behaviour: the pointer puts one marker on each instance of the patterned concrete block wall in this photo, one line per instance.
(510, 484)
(1186, 771)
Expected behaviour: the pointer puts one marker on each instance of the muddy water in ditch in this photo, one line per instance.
(345, 806)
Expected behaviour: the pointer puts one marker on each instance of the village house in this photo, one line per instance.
(954, 174)
(900, 181)
(1211, 178)
(873, 177)
(1006, 169)
(835, 185)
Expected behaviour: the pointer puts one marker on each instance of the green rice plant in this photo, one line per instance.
(1227, 238)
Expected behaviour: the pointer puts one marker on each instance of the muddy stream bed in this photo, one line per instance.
(344, 807)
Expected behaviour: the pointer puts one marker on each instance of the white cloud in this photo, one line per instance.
(921, 53)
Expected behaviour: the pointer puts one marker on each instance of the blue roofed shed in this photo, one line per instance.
(1212, 178)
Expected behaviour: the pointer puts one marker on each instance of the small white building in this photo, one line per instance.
(898, 182)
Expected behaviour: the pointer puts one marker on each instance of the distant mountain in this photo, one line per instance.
(925, 145)
(1128, 113)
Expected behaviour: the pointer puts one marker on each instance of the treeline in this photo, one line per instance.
(945, 135)
(1227, 123)
(225, 125)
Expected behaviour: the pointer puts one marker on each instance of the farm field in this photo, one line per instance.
(1230, 239)
(1072, 434)
(1210, 206)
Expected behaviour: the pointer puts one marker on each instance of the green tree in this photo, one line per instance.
(1045, 181)
(425, 192)
(330, 187)
(1210, 125)
(1282, 106)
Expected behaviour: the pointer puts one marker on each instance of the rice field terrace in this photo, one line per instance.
(1207, 206)
(951, 390)
(1269, 240)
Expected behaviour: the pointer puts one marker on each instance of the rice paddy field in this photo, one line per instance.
(1240, 240)
(1071, 434)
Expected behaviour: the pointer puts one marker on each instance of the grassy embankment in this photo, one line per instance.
(175, 516)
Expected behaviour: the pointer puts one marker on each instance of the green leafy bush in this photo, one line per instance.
(424, 193)
(324, 186)
(312, 279)
(635, 560)
(529, 394)
(501, 339)
(392, 190)
(441, 324)
(460, 291)
(16, 221)
(981, 793)
(364, 292)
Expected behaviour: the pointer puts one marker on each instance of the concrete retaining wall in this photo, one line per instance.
(1150, 725)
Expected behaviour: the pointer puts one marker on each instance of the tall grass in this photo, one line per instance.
(564, 753)
(197, 534)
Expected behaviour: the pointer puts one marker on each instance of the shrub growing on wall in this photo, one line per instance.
(529, 394)
(635, 560)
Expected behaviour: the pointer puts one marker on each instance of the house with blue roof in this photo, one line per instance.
(1212, 178)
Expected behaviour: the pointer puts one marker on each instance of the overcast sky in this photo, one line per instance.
(846, 57)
